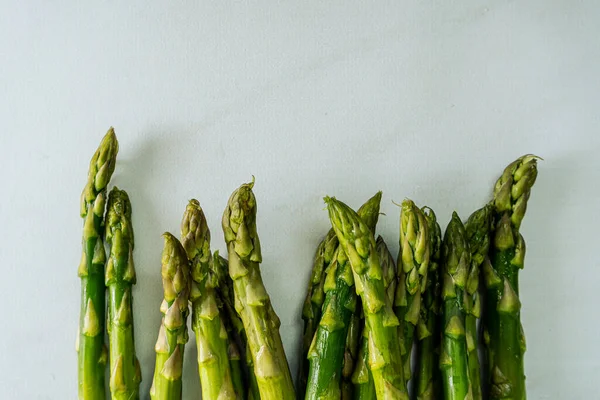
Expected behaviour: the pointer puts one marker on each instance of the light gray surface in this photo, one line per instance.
(428, 100)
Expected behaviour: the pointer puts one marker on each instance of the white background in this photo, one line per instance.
(421, 99)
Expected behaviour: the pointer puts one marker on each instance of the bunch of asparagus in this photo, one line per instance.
(364, 312)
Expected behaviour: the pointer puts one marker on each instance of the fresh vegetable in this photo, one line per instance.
(413, 263)
(351, 352)
(125, 373)
(92, 353)
(427, 382)
(357, 241)
(456, 263)
(503, 332)
(207, 322)
(326, 353)
(238, 333)
(364, 387)
(478, 228)
(362, 378)
(173, 334)
(252, 301)
(313, 303)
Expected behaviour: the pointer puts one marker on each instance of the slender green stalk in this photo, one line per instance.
(456, 263)
(357, 241)
(427, 383)
(125, 373)
(252, 301)
(235, 362)
(364, 386)
(207, 321)
(173, 334)
(503, 332)
(413, 263)
(326, 353)
(92, 352)
(478, 228)
(236, 324)
(351, 350)
(313, 303)
(362, 378)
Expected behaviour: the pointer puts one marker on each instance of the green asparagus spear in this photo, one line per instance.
(358, 243)
(92, 352)
(125, 374)
(413, 263)
(362, 378)
(327, 350)
(456, 263)
(220, 269)
(503, 333)
(311, 311)
(364, 387)
(478, 228)
(207, 321)
(427, 383)
(173, 334)
(227, 296)
(252, 301)
(351, 350)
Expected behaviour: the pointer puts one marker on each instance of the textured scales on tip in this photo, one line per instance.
(102, 166)
(513, 188)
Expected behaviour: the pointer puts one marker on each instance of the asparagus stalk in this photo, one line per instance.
(503, 332)
(455, 272)
(364, 386)
(478, 228)
(362, 378)
(173, 334)
(358, 243)
(351, 352)
(252, 301)
(207, 321)
(313, 303)
(427, 384)
(413, 263)
(227, 296)
(92, 352)
(125, 374)
(326, 353)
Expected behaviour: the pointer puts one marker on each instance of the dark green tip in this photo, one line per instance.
(118, 214)
(369, 212)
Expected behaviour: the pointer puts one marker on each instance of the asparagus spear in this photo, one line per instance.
(363, 379)
(327, 350)
(351, 352)
(413, 263)
(455, 272)
(92, 353)
(227, 296)
(358, 243)
(478, 235)
(311, 311)
(125, 374)
(252, 301)
(207, 322)
(427, 384)
(503, 333)
(219, 268)
(173, 334)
